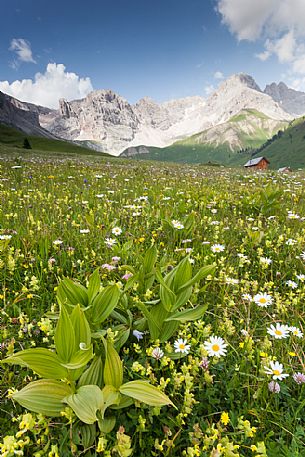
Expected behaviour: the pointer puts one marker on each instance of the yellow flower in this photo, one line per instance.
(224, 418)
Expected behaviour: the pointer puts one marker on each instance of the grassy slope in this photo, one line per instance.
(289, 150)
(192, 150)
(12, 140)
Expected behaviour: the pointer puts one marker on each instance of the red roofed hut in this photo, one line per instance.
(259, 163)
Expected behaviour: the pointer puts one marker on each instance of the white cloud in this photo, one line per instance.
(218, 75)
(48, 87)
(23, 50)
(280, 23)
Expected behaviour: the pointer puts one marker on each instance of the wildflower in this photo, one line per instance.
(108, 267)
(302, 255)
(247, 297)
(57, 242)
(204, 364)
(299, 378)
(263, 300)
(276, 370)
(291, 284)
(84, 231)
(265, 261)
(181, 346)
(138, 334)
(291, 242)
(217, 248)
(116, 259)
(224, 418)
(215, 346)
(274, 387)
(110, 242)
(296, 332)
(126, 276)
(157, 353)
(301, 277)
(279, 331)
(116, 231)
(177, 225)
(5, 237)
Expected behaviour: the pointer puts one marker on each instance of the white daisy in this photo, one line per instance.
(291, 284)
(116, 231)
(279, 331)
(263, 300)
(84, 231)
(177, 224)
(217, 248)
(276, 370)
(181, 346)
(215, 346)
(5, 237)
(296, 332)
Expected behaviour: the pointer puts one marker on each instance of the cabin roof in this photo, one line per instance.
(256, 161)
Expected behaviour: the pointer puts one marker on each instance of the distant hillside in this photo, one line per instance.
(12, 138)
(229, 143)
(288, 148)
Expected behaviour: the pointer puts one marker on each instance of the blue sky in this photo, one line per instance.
(163, 48)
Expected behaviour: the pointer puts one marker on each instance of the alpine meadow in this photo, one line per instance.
(152, 228)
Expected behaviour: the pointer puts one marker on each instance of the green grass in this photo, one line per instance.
(289, 149)
(12, 138)
(196, 149)
(56, 219)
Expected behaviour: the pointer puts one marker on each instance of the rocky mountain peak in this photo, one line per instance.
(240, 79)
(292, 101)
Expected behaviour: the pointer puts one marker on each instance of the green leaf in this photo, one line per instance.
(94, 374)
(94, 285)
(106, 425)
(81, 327)
(104, 303)
(188, 314)
(202, 273)
(86, 402)
(88, 434)
(42, 361)
(153, 324)
(145, 392)
(75, 293)
(111, 397)
(113, 369)
(44, 396)
(150, 259)
(80, 359)
(168, 329)
(182, 298)
(124, 402)
(64, 337)
(183, 273)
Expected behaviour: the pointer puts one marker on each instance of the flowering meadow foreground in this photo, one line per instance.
(151, 310)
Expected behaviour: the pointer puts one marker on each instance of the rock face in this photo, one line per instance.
(107, 122)
(112, 125)
(23, 116)
(248, 127)
(292, 101)
(237, 93)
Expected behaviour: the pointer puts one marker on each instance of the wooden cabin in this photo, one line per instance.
(285, 170)
(259, 163)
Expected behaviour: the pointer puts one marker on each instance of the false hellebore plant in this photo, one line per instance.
(90, 384)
